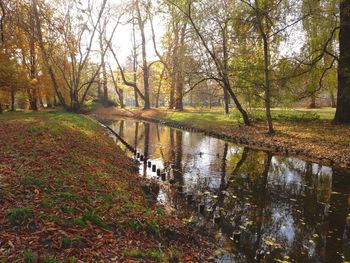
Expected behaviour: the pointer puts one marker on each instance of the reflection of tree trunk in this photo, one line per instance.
(172, 145)
(136, 134)
(178, 158)
(225, 185)
(337, 219)
(262, 195)
(146, 147)
(121, 128)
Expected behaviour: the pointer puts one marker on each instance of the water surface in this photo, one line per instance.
(292, 210)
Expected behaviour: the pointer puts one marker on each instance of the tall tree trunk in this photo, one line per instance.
(104, 70)
(244, 114)
(333, 102)
(225, 68)
(180, 71)
(99, 91)
(12, 100)
(172, 94)
(33, 94)
(135, 81)
(119, 91)
(312, 104)
(159, 86)
(342, 114)
(105, 85)
(267, 86)
(141, 23)
(48, 102)
(134, 65)
(226, 102)
(41, 102)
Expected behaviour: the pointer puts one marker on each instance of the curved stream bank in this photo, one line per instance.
(259, 205)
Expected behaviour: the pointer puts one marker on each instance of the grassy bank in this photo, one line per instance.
(303, 132)
(67, 193)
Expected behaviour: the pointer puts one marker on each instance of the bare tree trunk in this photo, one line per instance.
(180, 75)
(226, 102)
(135, 80)
(312, 104)
(119, 91)
(103, 67)
(342, 114)
(159, 86)
(48, 102)
(237, 103)
(12, 100)
(41, 103)
(134, 65)
(99, 91)
(141, 23)
(267, 84)
(172, 94)
(333, 102)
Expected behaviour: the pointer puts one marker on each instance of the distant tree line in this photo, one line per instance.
(246, 53)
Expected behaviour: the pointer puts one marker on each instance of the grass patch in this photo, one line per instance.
(78, 168)
(29, 256)
(95, 219)
(32, 181)
(20, 214)
(150, 254)
(78, 221)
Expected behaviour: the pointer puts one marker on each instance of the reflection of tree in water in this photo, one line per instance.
(281, 204)
(278, 208)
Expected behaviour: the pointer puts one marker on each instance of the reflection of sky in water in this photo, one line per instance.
(291, 203)
(286, 230)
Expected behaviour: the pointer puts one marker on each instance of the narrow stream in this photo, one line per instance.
(258, 205)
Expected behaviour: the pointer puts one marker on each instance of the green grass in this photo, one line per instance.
(206, 119)
(29, 256)
(20, 214)
(77, 178)
(149, 254)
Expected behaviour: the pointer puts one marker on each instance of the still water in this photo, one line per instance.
(258, 205)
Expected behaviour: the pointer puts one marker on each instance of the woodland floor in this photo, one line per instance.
(304, 133)
(68, 194)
